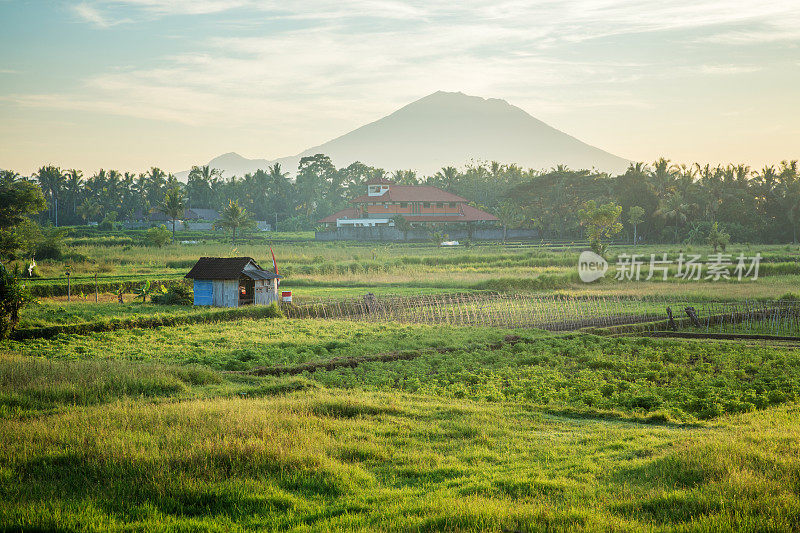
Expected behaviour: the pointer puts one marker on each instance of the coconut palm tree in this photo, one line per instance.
(446, 178)
(663, 177)
(7, 177)
(51, 180)
(280, 189)
(234, 217)
(73, 188)
(791, 195)
(674, 208)
(509, 215)
(88, 209)
(173, 207)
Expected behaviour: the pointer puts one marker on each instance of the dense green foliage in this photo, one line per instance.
(679, 202)
(18, 200)
(13, 296)
(174, 294)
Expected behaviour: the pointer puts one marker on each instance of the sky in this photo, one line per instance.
(139, 83)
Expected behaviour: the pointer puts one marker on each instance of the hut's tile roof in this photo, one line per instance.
(226, 268)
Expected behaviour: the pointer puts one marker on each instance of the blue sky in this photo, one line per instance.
(127, 85)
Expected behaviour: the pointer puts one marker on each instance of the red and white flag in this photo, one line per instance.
(274, 263)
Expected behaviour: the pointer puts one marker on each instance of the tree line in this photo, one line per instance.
(660, 202)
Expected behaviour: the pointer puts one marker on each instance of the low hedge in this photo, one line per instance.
(209, 316)
(45, 290)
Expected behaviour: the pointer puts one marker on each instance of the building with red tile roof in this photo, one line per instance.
(385, 201)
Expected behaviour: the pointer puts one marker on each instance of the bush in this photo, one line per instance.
(13, 296)
(158, 236)
(177, 294)
(274, 310)
(51, 245)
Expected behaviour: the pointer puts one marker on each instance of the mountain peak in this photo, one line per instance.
(456, 98)
(444, 129)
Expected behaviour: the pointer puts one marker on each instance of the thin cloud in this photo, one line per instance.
(728, 69)
(89, 13)
(335, 65)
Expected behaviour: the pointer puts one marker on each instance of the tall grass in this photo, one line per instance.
(327, 462)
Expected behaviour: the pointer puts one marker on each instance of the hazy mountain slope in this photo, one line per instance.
(452, 129)
(233, 164)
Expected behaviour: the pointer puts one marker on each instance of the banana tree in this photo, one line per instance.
(144, 291)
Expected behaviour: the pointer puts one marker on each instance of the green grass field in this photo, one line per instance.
(481, 430)
(219, 425)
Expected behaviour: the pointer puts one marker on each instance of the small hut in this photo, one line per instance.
(232, 282)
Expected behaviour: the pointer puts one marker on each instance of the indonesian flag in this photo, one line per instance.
(274, 263)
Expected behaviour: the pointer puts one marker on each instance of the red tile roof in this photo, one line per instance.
(350, 212)
(470, 214)
(412, 193)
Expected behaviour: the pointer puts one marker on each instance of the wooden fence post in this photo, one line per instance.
(95, 287)
(69, 288)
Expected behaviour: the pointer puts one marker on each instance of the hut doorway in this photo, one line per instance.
(247, 291)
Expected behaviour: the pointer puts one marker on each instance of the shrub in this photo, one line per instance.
(13, 296)
(790, 296)
(177, 294)
(274, 311)
(158, 236)
(718, 238)
(51, 244)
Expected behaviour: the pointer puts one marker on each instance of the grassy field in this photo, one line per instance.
(239, 422)
(482, 430)
(317, 268)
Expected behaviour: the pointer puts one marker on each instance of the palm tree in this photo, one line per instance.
(7, 177)
(88, 209)
(199, 185)
(405, 177)
(155, 183)
(280, 188)
(234, 217)
(73, 187)
(673, 208)
(663, 176)
(509, 215)
(173, 206)
(446, 177)
(791, 195)
(50, 179)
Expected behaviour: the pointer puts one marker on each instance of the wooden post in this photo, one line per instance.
(69, 288)
(95, 287)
